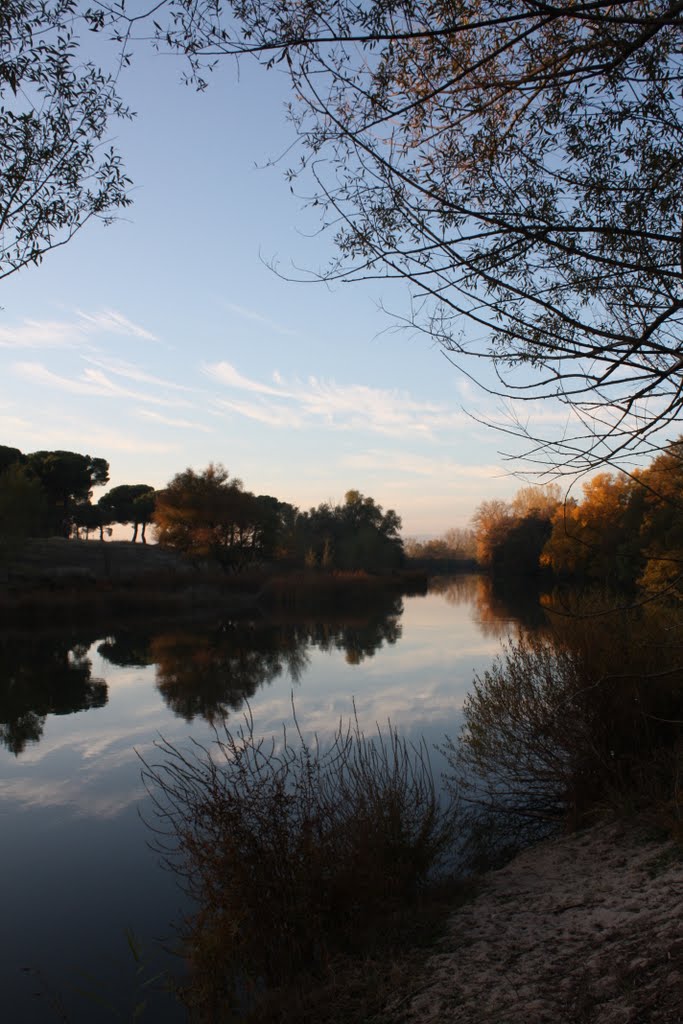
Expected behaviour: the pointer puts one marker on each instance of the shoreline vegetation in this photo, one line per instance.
(57, 580)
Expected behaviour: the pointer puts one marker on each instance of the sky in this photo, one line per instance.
(173, 337)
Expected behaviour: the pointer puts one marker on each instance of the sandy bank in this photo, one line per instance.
(585, 929)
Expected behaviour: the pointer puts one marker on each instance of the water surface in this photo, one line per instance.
(75, 707)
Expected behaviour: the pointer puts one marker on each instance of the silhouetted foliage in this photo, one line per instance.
(56, 107)
(10, 457)
(129, 503)
(209, 515)
(41, 675)
(355, 535)
(68, 479)
(23, 504)
(211, 673)
(584, 716)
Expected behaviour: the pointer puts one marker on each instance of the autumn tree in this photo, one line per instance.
(659, 493)
(597, 537)
(490, 521)
(209, 514)
(510, 536)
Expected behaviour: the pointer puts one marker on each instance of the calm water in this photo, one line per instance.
(77, 871)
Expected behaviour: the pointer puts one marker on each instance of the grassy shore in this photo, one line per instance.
(64, 581)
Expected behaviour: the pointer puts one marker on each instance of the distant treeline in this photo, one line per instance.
(204, 514)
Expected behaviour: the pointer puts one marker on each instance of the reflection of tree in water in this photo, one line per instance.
(456, 590)
(40, 676)
(127, 649)
(362, 638)
(210, 673)
(497, 602)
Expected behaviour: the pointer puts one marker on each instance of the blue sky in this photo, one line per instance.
(166, 340)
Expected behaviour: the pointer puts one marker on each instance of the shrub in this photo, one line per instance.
(585, 718)
(293, 853)
(524, 746)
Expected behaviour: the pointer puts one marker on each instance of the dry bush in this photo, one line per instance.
(525, 743)
(294, 853)
(584, 719)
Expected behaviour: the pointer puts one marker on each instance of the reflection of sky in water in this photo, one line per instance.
(74, 848)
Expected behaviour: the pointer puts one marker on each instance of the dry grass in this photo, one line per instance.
(310, 589)
(300, 859)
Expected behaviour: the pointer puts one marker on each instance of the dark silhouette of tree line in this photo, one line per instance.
(205, 515)
(209, 514)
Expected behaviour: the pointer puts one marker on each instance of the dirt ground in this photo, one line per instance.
(586, 929)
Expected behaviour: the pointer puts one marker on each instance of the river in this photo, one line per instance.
(81, 886)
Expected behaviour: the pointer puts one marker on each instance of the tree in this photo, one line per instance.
(598, 537)
(67, 479)
(357, 534)
(130, 503)
(208, 514)
(490, 522)
(56, 106)
(659, 497)
(10, 457)
(23, 504)
(87, 518)
(519, 164)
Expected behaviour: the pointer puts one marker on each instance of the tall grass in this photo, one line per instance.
(294, 853)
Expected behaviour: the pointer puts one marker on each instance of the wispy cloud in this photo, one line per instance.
(252, 314)
(299, 404)
(131, 372)
(112, 322)
(41, 334)
(91, 383)
(169, 421)
(272, 416)
(226, 373)
(417, 465)
(70, 333)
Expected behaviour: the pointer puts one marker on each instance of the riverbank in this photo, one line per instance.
(581, 929)
(57, 581)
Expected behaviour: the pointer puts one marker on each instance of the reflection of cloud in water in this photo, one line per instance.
(86, 763)
(75, 799)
